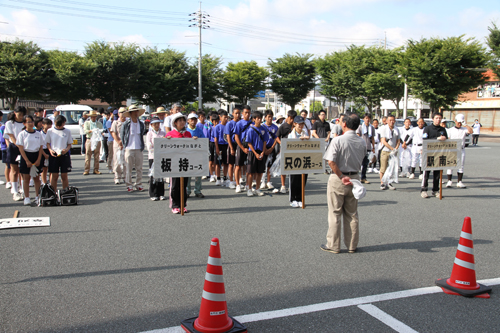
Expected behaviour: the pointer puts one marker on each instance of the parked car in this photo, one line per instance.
(47, 112)
(73, 113)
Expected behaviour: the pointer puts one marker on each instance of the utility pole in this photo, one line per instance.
(201, 24)
(385, 40)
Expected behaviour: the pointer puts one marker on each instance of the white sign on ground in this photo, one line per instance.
(25, 222)
(180, 157)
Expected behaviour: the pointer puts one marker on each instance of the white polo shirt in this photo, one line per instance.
(13, 127)
(30, 141)
(59, 138)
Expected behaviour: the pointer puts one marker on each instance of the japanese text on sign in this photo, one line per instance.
(180, 157)
(302, 156)
(441, 155)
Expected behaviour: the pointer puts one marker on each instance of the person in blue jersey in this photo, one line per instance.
(231, 149)
(212, 159)
(221, 149)
(256, 136)
(270, 152)
(242, 149)
(196, 132)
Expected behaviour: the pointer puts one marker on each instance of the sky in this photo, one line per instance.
(243, 30)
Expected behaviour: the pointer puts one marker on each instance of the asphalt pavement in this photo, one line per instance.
(120, 262)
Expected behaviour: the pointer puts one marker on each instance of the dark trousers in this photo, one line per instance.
(84, 140)
(435, 181)
(364, 166)
(475, 138)
(175, 192)
(105, 147)
(156, 188)
(296, 187)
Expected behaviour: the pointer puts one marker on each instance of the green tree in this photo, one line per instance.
(316, 106)
(292, 77)
(69, 76)
(493, 41)
(165, 78)
(116, 74)
(438, 71)
(334, 81)
(211, 78)
(22, 71)
(243, 80)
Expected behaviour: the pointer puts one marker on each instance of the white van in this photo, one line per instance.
(73, 113)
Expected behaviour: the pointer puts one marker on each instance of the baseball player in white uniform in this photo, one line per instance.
(405, 148)
(458, 132)
(416, 134)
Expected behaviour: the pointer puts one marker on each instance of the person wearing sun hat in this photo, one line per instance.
(118, 169)
(161, 114)
(88, 128)
(132, 139)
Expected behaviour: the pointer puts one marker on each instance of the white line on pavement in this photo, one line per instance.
(331, 305)
(386, 319)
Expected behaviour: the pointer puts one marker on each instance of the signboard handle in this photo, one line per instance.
(303, 191)
(16, 214)
(182, 196)
(441, 185)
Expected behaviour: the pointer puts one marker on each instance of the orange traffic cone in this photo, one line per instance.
(463, 276)
(213, 317)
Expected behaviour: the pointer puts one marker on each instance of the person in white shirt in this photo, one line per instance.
(476, 128)
(176, 108)
(295, 181)
(54, 115)
(59, 140)
(416, 135)
(405, 149)
(458, 132)
(83, 137)
(30, 144)
(132, 139)
(390, 139)
(307, 122)
(12, 129)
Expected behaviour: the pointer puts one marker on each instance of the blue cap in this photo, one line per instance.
(155, 120)
(298, 120)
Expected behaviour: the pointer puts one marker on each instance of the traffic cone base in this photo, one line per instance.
(188, 326)
(481, 292)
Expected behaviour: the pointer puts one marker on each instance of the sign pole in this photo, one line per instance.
(303, 191)
(440, 184)
(182, 196)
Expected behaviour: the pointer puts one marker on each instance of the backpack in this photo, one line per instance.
(68, 197)
(48, 196)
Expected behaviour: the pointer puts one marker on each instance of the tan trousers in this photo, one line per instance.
(110, 155)
(88, 156)
(341, 202)
(134, 159)
(118, 170)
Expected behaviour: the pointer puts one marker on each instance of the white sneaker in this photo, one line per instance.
(412, 176)
(32, 183)
(421, 177)
(376, 170)
(218, 182)
(8, 185)
(27, 201)
(461, 185)
(424, 195)
(246, 188)
(283, 190)
(270, 185)
(402, 175)
(110, 171)
(250, 193)
(2, 182)
(263, 186)
(227, 183)
(276, 191)
(238, 189)
(300, 204)
(242, 180)
(232, 185)
(37, 199)
(204, 177)
(408, 175)
(435, 194)
(259, 193)
(391, 187)
(448, 184)
(213, 179)
(370, 170)
(17, 196)
(295, 204)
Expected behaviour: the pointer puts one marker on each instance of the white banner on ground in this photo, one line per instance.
(180, 157)
(441, 155)
(25, 222)
(302, 156)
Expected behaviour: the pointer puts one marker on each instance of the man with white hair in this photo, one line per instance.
(458, 132)
(176, 108)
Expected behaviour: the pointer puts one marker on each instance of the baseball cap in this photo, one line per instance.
(192, 115)
(155, 120)
(460, 118)
(298, 120)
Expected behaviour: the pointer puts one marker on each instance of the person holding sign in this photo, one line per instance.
(283, 132)
(256, 136)
(345, 155)
(458, 132)
(295, 181)
(433, 131)
(178, 131)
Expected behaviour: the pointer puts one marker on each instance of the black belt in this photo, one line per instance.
(349, 173)
(419, 145)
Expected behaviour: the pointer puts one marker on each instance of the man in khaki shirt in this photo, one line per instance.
(344, 155)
